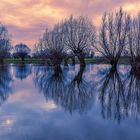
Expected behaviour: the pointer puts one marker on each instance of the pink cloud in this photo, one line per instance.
(27, 19)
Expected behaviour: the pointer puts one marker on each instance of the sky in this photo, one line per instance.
(26, 20)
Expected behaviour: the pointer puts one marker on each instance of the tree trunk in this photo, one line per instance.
(2, 61)
(57, 71)
(114, 66)
(66, 62)
(136, 64)
(82, 61)
(22, 58)
(73, 61)
(48, 62)
(78, 77)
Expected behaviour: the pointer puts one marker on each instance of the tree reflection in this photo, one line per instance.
(51, 83)
(132, 86)
(5, 83)
(71, 94)
(79, 96)
(22, 71)
(112, 97)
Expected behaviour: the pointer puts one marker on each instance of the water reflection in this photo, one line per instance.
(22, 71)
(50, 83)
(119, 97)
(5, 83)
(73, 93)
(111, 95)
(116, 89)
(132, 94)
(79, 96)
(27, 115)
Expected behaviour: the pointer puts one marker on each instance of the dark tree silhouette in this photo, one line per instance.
(5, 44)
(52, 44)
(80, 36)
(112, 37)
(21, 50)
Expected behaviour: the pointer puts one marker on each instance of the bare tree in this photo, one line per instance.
(112, 37)
(21, 50)
(134, 42)
(5, 44)
(80, 36)
(52, 43)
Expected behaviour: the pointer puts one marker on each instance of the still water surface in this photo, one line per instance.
(95, 103)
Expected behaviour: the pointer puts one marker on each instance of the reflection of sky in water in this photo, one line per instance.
(29, 115)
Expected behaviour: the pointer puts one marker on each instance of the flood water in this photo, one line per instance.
(95, 103)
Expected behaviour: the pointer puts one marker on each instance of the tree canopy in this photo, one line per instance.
(21, 50)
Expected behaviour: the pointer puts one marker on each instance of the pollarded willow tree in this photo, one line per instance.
(52, 44)
(113, 34)
(134, 43)
(5, 44)
(80, 36)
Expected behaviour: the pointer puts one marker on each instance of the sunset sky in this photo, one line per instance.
(27, 19)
